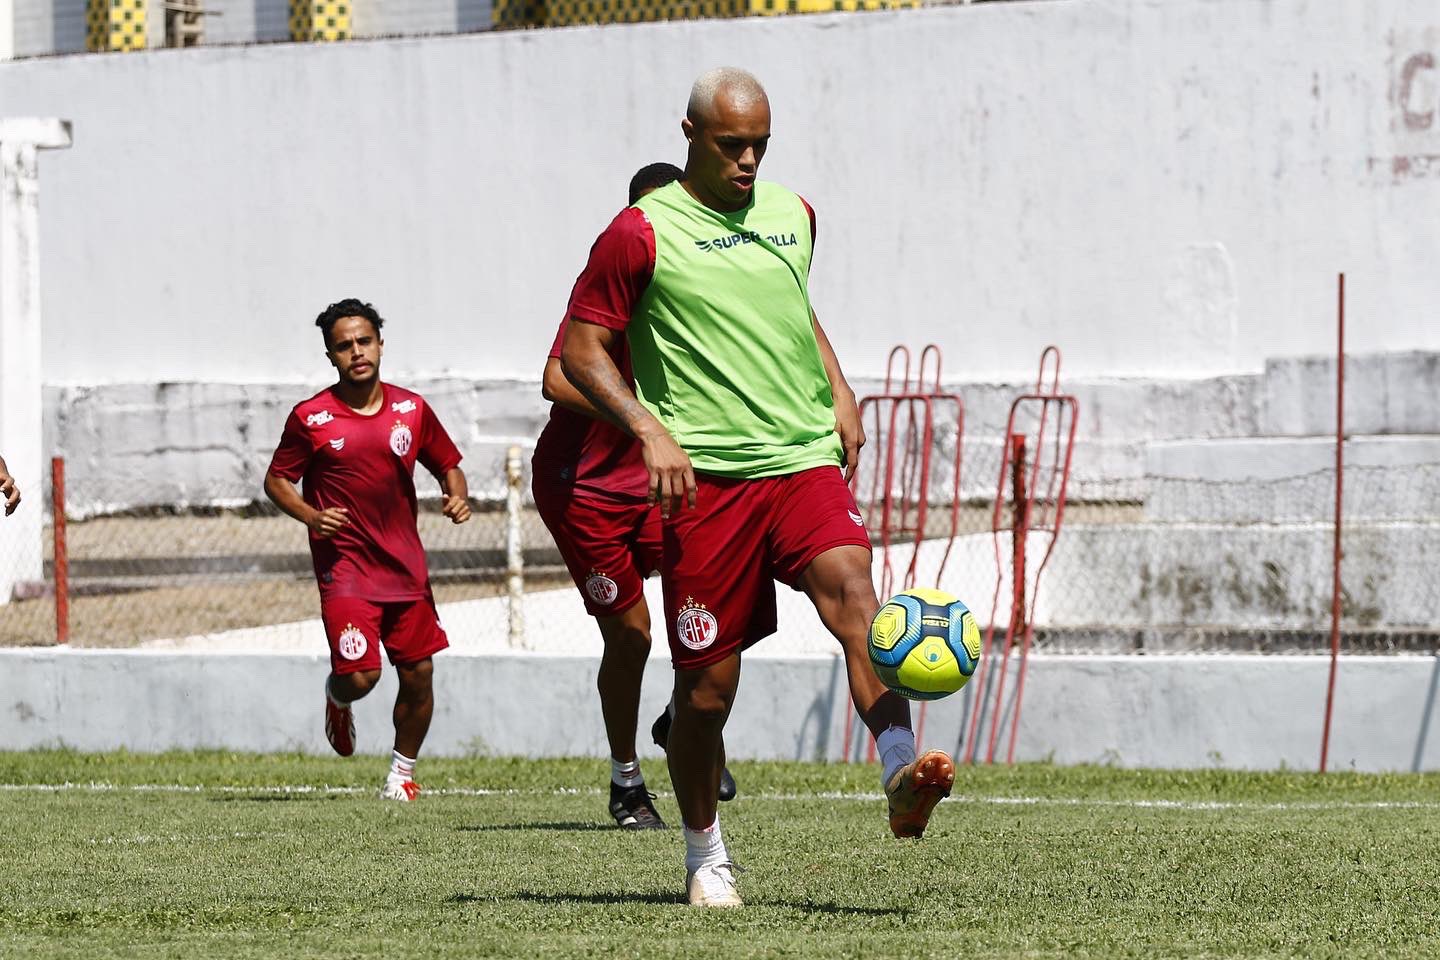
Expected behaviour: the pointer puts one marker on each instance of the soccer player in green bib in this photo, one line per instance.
(745, 421)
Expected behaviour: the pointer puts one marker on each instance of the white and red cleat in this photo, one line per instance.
(401, 790)
(339, 726)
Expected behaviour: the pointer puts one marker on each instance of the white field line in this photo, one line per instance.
(837, 796)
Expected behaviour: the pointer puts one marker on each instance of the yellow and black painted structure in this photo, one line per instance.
(320, 20)
(117, 25)
(559, 13)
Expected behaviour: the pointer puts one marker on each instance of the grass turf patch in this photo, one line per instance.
(257, 858)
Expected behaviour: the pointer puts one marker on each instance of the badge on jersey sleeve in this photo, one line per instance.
(401, 438)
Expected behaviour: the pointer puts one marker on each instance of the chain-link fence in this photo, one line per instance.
(1144, 564)
(1215, 562)
(242, 576)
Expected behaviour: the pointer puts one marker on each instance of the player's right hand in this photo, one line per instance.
(10, 492)
(327, 522)
(672, 478)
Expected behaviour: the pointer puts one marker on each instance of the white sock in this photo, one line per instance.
(331, 693)
(625, 773)
(896, 747)
(704, 846)
(402, 768)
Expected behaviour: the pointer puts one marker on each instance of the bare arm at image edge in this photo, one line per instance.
(8, 490)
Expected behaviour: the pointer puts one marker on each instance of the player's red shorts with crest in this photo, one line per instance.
(357, 628)
(723, 556)
(609, 546)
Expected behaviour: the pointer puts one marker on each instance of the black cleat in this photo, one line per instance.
(633, 808)
(727, 785)
(660, 729)
(660, 733)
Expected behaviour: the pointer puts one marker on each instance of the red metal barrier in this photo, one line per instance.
(62, 559)
(1032, 512)
(901, 424)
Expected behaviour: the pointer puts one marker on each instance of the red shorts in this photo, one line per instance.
(723, 556)
(609, 546)
(409, 630)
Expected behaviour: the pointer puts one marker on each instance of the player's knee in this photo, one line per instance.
(627, 638)
(707, 706)
(353, 686)
(852, 596)
(416, 677)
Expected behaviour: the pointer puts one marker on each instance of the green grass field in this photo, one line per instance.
(201, 855)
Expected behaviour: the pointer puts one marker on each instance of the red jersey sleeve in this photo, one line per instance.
(622, 261)
(559, 339)
(811, 212)
(438, 452)
(293, 454)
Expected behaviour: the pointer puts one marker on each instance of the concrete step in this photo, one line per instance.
(1261, 577)
(1384, 393)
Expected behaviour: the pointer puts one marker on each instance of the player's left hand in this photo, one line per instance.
(851, 430)
(456, 508)
(10, 492)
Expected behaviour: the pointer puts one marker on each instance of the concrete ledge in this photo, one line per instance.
(1243, 577)
(1183, 711)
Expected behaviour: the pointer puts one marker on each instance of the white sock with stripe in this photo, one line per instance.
(626, 773)
(896, 747)
(704, 846)
(402, 768)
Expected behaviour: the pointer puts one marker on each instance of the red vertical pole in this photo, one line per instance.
(1017, 575)
(1022, 528)
(62, 560)
(1339, 499)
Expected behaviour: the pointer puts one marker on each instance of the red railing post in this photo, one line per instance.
(61, 559)
(1019, 529)
(1335, 588)
(1018, 534)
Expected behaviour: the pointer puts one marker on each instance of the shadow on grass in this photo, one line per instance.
(265, 797)
(572, 825)
(624, 899)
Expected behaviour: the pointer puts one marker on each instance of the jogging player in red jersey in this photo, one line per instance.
(743, 418)
(354, 446)
(590, 486)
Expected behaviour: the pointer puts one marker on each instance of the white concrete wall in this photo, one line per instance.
(1186, 712)
(1165, 188)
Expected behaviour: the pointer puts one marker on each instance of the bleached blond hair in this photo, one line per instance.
(740, 85)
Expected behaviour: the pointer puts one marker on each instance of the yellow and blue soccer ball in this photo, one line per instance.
(924, 644)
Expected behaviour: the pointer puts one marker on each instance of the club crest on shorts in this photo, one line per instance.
(352, 643)
(696, 626)
(400, 438)
(601, 588)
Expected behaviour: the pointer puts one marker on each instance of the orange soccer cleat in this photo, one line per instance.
(915, 790)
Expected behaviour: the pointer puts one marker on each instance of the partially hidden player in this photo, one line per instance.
(591, 488)
(8, 490)
(353, 447)
(743, 419)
